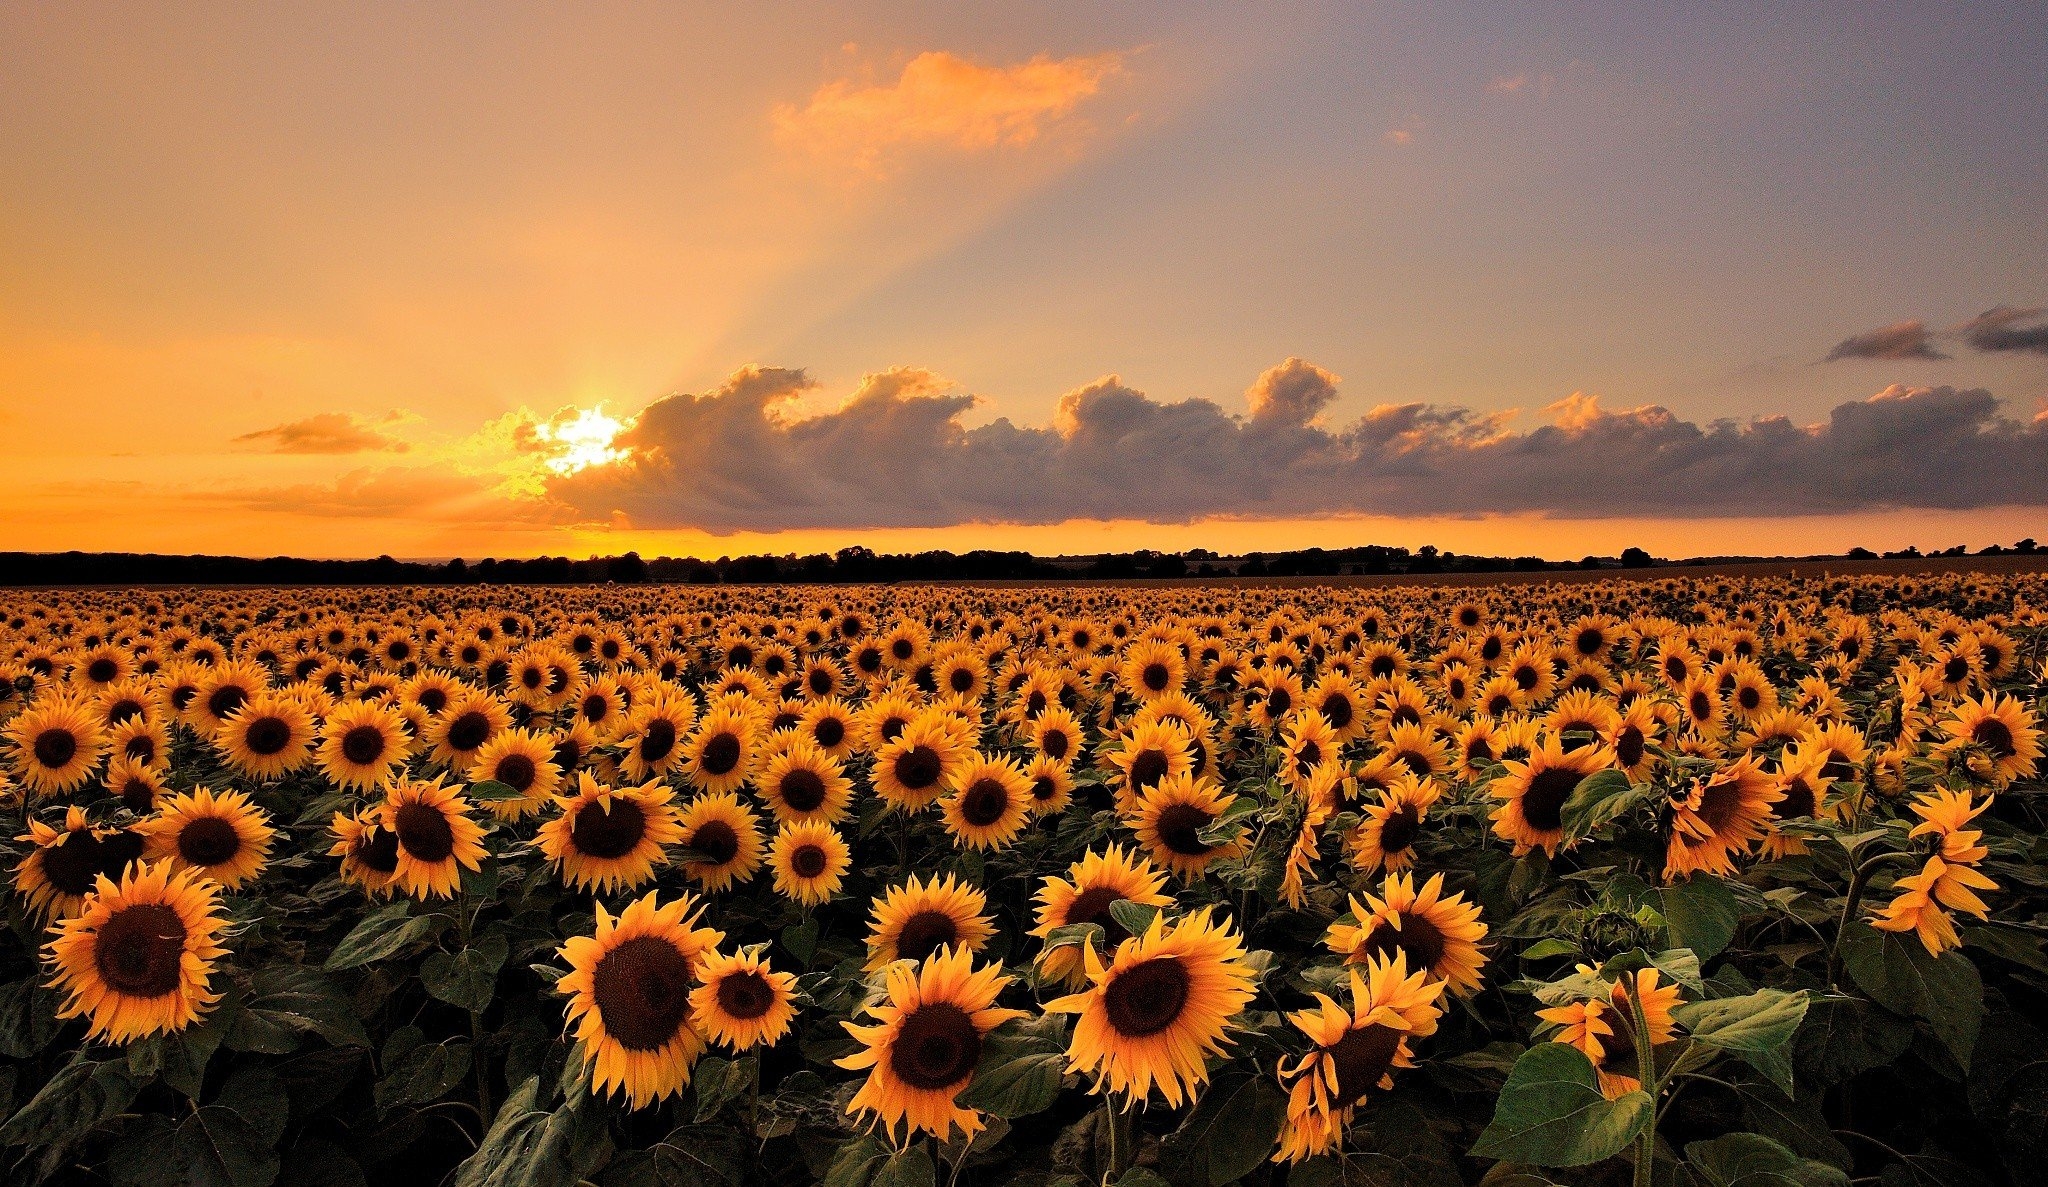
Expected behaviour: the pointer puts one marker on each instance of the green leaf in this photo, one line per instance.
(719, 1081)
(469, 978)
(1680, 967)
(83, 1094)
(28, 1017)
(1230, 1133)
(1139, 1176)
(381, 935)
(218, 1147)
(1599, 798)
(489, 790)
(1551, 1113)
(1134, 918)
(424, 1074)
(1899, 975)
(529, 1146)
(300, 999)
(1753, 1160)
(1074, 934)
(1701, 914)
(1544, 949)
(1845, 1036)
(801, 940)
(259, 1096)
(1016, 1087)
(911, 1168)
(1756, 1027)
(856, 1164)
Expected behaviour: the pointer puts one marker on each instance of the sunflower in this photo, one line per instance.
(727, 835)
(368, 851)
(222, 836)
(1150, 755)
(1152, 669)
(1532, 794)
(1056, 734)
(64, 863)
(629, 988)
(1169, 820)
(1386, 837)
(57, 743)
(803, 782)
(1337, 700)
(1353, 1052)
(1307, 743)
(461, 731)
(138, 958)
(608, 839)
(362, 745)
(1996, 737)
(1440, 933)
(653, 740)
(831, 726)
(437, 840)
(720, 755)
(1158, 1009)
(137, 786)
(1052, 785)
(930, 1024)
(1723, 814)
(740, 1002)
(1098, 881)
(1919, 905)
(810, 860)
(1804, 790)
(916, 919)
(990, 802)
(143, 739)
(1604, 1029)
(221, 691)
(1631, 739)
(913, 770)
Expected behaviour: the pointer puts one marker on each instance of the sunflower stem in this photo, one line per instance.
(1114, 1119)
(1646, 1072)
(1858, 879)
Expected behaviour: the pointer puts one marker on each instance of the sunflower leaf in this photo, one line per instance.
(295, 998)
(1075, 934)
(1134, 918)
(469, 978)
(1551, 1113)
(1599, 798)
(909, 1168)
(1016, 1087)
(1701, 914)
(1753, 1160)
(1756, 1027)
(1229, 1133)
(381, 935)
(490, 790)
(1898, 974)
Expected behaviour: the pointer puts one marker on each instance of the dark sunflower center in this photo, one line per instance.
(596, 709)
(1749, 697)
(469, 731)
(381, 852)
(660, 738)
(267, 736)
(1035, 703)
(122, 710)
(1055, 744)
(902, 649)
(363, 745)
(716, 840)
(1543, 803)
(73, 863)
(1995, 736)
(802, 789)
(118, 851)
(1800, 800)
(745, 995)
(433, 700)
(893, 727)
(102, 670)
(141, 748)
(225, 700)
(1955, 671)
(138, 794)
(55, 748)
(1308, 757)
(1719, 801)
(1157, 676)
(1044, 789)
(517, 772)
(1147, 998)
(918, 767)
(830, 732)
(1418, 938)
(721, 753)
(1629, 745)
(208, 841)
(1092, 906)
(936, 1047)
(961, 679)
(1180, 826)
(1147, 768)
(425, 832)
(807, 861)
(984, 802)
(1399, 831)
(1480, 751)
(925, 933)
(139, 950)
(642, 989)
(821, 682)
(1362, 1057)
(1279, 701)
(608, 834)
(1702, 705)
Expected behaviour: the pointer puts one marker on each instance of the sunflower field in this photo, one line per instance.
(1682, 880)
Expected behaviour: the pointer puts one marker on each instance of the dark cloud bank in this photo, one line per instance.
(896, 455)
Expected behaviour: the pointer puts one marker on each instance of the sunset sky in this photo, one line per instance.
(496, 279)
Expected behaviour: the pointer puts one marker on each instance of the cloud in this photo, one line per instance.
(1994, 330)
(328, 433)
(946, 101)
(897, 454)
(1900, 340)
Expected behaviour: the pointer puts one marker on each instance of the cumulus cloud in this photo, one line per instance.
(326, 433)
(943, 100)
(1995, 330)
(898, 454)
(1900, 340)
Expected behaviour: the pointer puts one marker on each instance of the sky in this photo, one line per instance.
(503, 279)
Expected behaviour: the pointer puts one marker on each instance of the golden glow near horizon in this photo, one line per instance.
(582, 442)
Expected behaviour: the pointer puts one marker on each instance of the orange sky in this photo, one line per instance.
(331, 282)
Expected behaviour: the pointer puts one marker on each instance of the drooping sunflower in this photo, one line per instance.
(916, 919)
(720, 754)
(437, 838)
(803, 783)
(1354, 1052)
(64, 863)
(1920, 906)
(57, 743)
(1604, 1029)
(629, 988)
(1723, 814)
(610, 839)
(1439, 933)
(740, 1002)
(727, 834)
(223, 836)
(1533, 792)
(138, 959)
(920, 1054)
(1169, 820)
(523, 761)
(368, 851)
(912, 771)
(1997, 736)
(990, 802)
(1385, 838)
(810, 860)
(1093, 884)
(1151, 1016)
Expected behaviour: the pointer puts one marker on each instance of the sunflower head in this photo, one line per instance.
(138, 958)
(920, 1053)
(629, 987)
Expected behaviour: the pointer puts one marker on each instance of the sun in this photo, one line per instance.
(581, 442)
